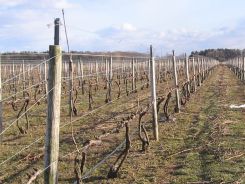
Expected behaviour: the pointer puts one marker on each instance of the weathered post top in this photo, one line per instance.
(57, 31)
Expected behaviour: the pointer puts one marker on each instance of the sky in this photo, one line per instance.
(123, 25)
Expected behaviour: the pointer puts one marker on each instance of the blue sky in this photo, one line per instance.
(127, 25)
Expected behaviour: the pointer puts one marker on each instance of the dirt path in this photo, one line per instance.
(206, 143)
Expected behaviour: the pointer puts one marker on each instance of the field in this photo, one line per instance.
(203, 143)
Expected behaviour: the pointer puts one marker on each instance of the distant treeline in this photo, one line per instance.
(220, 54)
(114, 53)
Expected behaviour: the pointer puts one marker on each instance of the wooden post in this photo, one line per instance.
(159, 71)
(20, 70)
(5, 70)
(24, 77)
(96, 70)
(177, 108)
(29, 76)
(110, 79)
(122, 66)
(106, 70)
(40, 73)
(13, 71)
(53, 115)
(56, 31)
(153, 95)
(137, 71)
(241, 69)
(133, 75)
(237, 67)
(70, 88)
(81, 69)
(45, 78)
(187, 71)
(65, 69)
(194, 73)
(199, 72)
(202, 68)
(168, 65)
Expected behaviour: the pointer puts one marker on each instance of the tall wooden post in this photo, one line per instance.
(194, 74)
(177, 107)
(237, 67)
(45, 78)
(5, 70)
(106, 70)
(153, 95)
(96, 70)
(110, 79)
(65, 69)
(70, 87)
(133, 75)
(29, 76)
(57, 31)
(122, 66)
(199, 72)
(187, 71)
(137, 71)
(18, 73)
(24, 77)
(13, 69)
(241, 69)
(202, 68)
(53, 115)
(81, 69)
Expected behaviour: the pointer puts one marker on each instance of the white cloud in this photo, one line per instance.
(162, 35)
(11, 3)
(128, 27)
(57, 4)
(112, 27)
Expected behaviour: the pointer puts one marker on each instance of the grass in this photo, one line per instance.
(201, 145)
(196, 148)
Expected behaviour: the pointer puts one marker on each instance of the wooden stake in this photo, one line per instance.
(70, 87)
(24, 77)
(57, 31)
(187, 71)
(199, 71)
(96, 70)
(110, 79)
(153, 95)
(45, 78)
(194, 73)
(202, 68)
(81, 69)
(53, 115)
(177, 108)
(133, 75)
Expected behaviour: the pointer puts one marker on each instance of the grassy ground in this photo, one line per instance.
(89, 127)
(205, 144)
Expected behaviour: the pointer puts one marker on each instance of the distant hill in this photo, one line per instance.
(114, 53)
(37, 57)
(219, 54)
